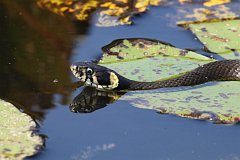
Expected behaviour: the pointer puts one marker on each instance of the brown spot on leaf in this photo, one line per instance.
(223, 95)
(6, 150)
(183, 52)
(141, 45)
(214, 37)
(169, 100)
(117, 54)
(204, 29)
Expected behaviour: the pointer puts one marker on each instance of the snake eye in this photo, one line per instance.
(89, 71)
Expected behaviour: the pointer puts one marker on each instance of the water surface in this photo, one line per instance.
(37, 48)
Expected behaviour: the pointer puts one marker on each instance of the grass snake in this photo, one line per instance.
(105, 79)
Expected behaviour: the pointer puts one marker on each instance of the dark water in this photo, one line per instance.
(36, 49)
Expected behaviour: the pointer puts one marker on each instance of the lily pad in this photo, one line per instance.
(197, 14)
(220, 37)
(17, 136)
(137, 48)
(216, 101)
(148, 59)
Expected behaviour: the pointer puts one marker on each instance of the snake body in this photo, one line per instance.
(103, 78)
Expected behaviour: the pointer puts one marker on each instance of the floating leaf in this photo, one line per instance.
(82, 9)
(235, 54)
(138, 48)
(17, 136)
(220, 37)
(119, 12)
(197, 14)
(110, 21)
(215, 2)
(147, 59)
(207, 3)
(216, 101)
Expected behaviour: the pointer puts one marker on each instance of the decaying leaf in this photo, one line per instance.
(208, 3)
(17, 137)
(201, 14)
(110, 21)
(150, 60)
(119, 12)
(220, 37)
(211, 3)
(82, 9)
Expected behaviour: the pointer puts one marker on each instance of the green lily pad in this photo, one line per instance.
(17, 136)
(148, 60)
(137, 48)
(220, 37)
(234, 54)
(216, 101)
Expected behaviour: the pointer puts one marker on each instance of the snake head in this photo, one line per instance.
(95, 75)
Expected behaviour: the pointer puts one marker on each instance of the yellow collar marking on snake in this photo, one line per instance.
(113, 80)
(103, 78)
(94, 78)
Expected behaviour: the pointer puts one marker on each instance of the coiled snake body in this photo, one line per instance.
(103, 78)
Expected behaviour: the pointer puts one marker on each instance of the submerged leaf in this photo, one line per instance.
(17, 137)
(216, 101)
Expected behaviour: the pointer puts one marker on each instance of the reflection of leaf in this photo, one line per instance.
(219, 37)
(17, 139)
(215, 101)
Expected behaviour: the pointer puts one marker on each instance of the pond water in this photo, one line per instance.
(37, 48)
